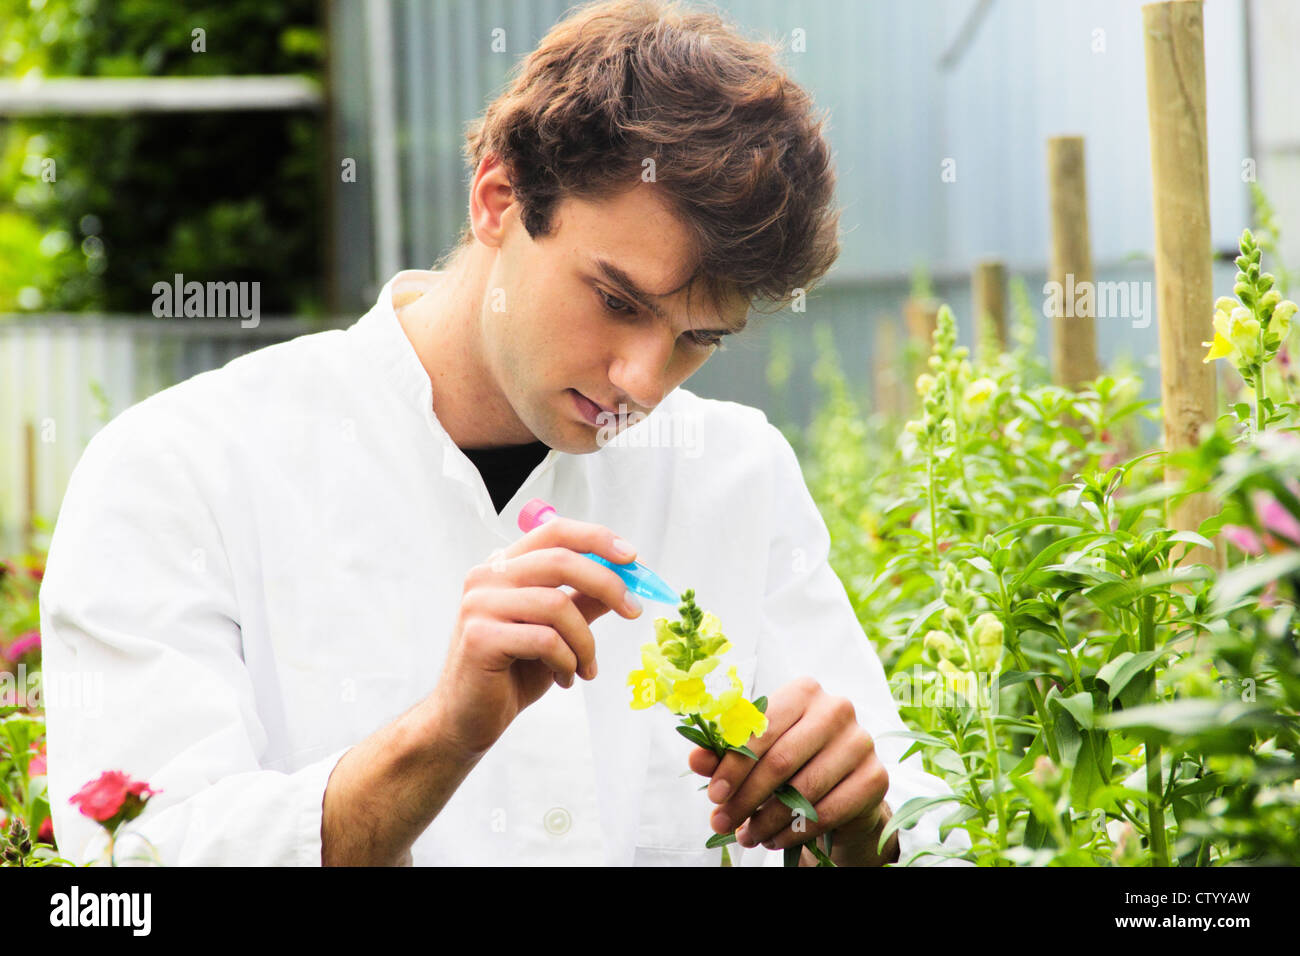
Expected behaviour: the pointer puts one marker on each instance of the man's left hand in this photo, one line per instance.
(813, 742)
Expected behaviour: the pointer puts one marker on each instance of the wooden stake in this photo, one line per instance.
(887, 370)
(1175, 59)
(989, 298)
(922, 317)
(1074, 336)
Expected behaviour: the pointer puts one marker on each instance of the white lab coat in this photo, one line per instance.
(255, 569)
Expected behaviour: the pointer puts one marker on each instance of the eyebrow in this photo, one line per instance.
(625, 284)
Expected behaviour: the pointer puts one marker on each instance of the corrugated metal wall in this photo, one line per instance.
(48, 364)
(1030, 69)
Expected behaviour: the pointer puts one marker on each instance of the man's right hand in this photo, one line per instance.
(524, 624)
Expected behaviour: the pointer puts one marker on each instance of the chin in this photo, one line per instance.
(568, 436)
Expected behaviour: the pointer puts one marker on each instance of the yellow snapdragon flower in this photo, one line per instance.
(978, 392)
(735, 715)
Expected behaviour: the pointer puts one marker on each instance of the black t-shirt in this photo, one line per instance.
(504, 469)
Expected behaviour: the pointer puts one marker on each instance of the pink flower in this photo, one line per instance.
(24, 643)
(46, 833)
(113, 798)
(1276, 519)
(1244, 538)
(38, 766)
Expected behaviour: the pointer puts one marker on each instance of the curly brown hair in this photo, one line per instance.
(736, 146)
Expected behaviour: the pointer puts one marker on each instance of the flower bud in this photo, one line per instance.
(1046, 773)
(988, 639)
(1225, 304)
(943, 647)
(924, 382)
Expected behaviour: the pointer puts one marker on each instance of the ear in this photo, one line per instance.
(490, 197)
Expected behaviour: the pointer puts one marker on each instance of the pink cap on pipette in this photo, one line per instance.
(534, 513)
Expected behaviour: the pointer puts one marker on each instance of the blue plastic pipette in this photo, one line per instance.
(638, 578)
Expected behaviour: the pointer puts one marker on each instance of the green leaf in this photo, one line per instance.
(1194, 716)
(1206, 784)
(1191, 537)
(795, 800)
(910, 812)
(1037, 833)
(819, 853)
(1041, 521)
(744, 750)
(1137, 691)
(1117, 673)
(720, 839)
(694, 735)
(1050, 552)
(1011, 678)
(792, 855)
(1086, 778)
(922, 617)
(761, 705)
(1080, 707)
(1248, 578)
(955, 819)
(1067, 734)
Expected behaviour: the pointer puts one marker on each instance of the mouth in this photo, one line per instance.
(593, 413)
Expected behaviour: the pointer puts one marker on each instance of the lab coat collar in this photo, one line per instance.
(382, 336)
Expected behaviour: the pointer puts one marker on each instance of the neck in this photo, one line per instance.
(444, 327)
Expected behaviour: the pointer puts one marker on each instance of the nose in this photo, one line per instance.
(641, 369)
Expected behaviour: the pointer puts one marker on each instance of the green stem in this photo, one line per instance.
(1012, 640)
(1155, 803)
(970, 771)
(955, 413)
(934, 520)
(1259, 393)
(1069, 653)
(990, 735)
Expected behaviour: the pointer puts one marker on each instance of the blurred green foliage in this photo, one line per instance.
(94, 210)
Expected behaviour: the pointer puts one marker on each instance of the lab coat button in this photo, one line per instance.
(557, 821)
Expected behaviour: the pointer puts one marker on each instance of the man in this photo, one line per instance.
(321, 635)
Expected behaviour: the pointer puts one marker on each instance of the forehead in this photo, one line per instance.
(638, 233)
(635, 229)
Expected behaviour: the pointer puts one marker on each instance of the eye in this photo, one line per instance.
(612, 304)
(706, 339)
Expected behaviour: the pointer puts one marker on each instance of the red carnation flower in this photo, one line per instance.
(113, 798)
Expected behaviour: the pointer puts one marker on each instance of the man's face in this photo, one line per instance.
(558, 329)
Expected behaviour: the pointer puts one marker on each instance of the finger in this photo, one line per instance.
(588, 607)
(865, 786)
(548, 606)
(501, 643)
(783, 712)
(778, 763)
(703, 761)
(579, 536)
(841, 757)
(553, 567)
